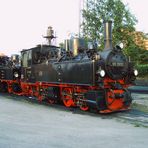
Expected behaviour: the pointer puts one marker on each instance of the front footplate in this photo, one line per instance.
(109, 100)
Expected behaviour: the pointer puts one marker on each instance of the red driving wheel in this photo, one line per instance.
(67, 97)
(84, 106)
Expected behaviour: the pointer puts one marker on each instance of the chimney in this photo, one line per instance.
(107, 35)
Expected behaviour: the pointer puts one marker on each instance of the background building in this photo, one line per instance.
(141, 39)
(146, 44)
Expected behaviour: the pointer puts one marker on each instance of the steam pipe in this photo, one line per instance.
(108, 35)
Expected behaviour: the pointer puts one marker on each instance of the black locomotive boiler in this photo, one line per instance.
(79, 76)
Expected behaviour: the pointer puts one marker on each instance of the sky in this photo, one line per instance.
(140, 9)
(24, 22)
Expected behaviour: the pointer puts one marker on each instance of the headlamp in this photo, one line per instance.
(101, 72)
(136, 72)
(16, 75)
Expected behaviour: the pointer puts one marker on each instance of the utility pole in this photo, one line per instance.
(81, 2)
(83, 5)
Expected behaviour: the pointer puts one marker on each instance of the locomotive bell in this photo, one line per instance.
(108, 35)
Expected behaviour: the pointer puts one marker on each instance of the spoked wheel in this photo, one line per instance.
(84, 106)
(67, 97)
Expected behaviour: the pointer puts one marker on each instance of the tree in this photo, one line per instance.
(143, 56)
(123, 21)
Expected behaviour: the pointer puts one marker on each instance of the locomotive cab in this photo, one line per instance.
(35, 61)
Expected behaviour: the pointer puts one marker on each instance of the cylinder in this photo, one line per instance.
(108, 35)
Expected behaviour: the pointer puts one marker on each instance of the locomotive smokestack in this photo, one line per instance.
(107, 35)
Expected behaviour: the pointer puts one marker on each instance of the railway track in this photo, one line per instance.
(134, 116)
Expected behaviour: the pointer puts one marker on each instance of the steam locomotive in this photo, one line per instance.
(77, 77)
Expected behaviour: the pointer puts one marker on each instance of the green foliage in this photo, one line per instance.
(133, 52)
(114, 10)
(143, 56)
(137, 54)
(142, 69)
(123, 26)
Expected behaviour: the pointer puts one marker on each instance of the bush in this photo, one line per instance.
(142, 69)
